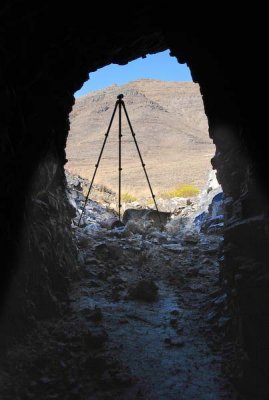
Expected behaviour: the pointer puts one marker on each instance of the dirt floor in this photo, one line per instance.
(142, 324)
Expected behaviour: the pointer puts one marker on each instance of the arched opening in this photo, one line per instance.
(167, 116)
(145, 280)
(231, 113)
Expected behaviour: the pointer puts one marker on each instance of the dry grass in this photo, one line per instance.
(150, 202)
(180, 191)
(128, 197)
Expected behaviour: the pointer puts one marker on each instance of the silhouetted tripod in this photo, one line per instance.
(119, 103)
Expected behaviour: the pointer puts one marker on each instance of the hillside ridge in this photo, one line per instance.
(170, 125)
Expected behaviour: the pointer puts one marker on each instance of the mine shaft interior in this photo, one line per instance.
(81, 307)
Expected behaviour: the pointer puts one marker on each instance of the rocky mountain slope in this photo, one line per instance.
(170, 125)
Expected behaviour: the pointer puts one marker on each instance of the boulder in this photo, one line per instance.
(152, 216)
(212, 221)
(105, 251)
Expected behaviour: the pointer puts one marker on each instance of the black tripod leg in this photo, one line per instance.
(120, 168)
(141, 159)
(98, 161)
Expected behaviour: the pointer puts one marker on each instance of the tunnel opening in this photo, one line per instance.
(145, 280)
(168, 116)
(129, 273)
(239, 161)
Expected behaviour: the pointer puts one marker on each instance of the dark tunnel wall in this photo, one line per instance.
(46, 56)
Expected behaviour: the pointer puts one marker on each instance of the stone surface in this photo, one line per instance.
(132, 295)
(174, 341)
(145, 290)
(152, 216)
(48, 253)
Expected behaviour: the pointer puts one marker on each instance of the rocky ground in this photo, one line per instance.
(146, 319)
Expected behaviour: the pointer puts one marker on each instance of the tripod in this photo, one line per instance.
(121, 105)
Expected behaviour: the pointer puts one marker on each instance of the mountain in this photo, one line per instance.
(171, 129)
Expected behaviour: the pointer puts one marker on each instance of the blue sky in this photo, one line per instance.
(157, 66)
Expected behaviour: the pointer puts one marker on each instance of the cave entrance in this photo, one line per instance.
(130, 283)
(168, 118)
(47, 54)
(148, 284)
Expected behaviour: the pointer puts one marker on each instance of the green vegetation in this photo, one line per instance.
(150, 202)
(180, 191)
(128, 197)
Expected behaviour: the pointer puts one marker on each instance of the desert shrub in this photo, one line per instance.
(128, 197)
(150, 202)
(103, 188)
(180, 191)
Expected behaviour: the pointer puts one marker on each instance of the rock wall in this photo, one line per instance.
(245, 258)
(47, 53)
(47, 254)
(234, 120)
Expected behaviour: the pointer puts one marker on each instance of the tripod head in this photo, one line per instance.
(120, 97)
